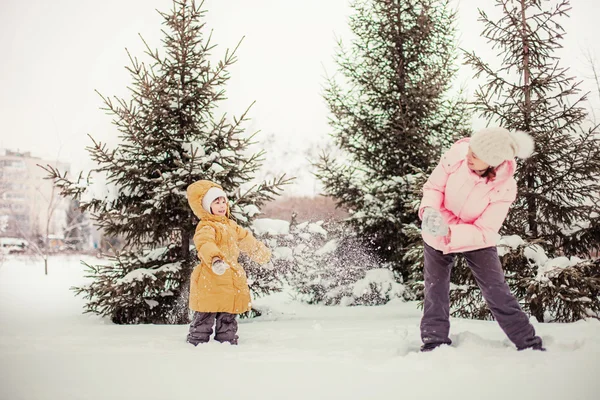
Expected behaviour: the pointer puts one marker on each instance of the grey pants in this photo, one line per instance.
(201, 328)
(487, 271)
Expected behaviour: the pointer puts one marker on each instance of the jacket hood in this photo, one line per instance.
(195, 193)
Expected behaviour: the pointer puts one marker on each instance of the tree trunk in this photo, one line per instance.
(185, 244)
(529, 172)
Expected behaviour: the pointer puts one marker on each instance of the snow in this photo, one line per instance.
(577, 227)
(49, 350)
(153, 254)
(382, 279)
(328, 247)
(137, 275)
(508, 243)
(3, 222)
(251, 210)
(12, 241)
(283, 253)
(553, 266)
(151, 303)
(536, 253)
(271, 226)
(217, 168)
(317, 228)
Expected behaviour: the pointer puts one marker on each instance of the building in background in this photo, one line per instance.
(30, 207)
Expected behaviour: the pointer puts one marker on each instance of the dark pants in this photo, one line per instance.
(201, 328)
(487, 271)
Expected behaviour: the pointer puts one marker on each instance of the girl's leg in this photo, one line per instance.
(201, 327)
(487, 270)
(435, 324)
(226, 328)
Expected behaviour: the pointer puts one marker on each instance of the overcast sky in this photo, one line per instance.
(55, 53)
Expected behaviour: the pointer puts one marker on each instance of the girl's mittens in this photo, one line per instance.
(433, 222)
(219, 267)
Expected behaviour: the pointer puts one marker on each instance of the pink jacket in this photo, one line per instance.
(473, 207)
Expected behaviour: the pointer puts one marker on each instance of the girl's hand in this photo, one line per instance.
(219, 266)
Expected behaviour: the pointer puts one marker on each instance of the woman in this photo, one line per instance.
(465, 201)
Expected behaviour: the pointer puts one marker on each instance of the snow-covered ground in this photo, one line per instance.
(49, 350)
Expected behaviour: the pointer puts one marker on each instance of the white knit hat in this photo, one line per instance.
(496, 145)
(210, 196)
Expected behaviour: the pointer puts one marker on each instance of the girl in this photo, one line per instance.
(218, 286)
(465, 201)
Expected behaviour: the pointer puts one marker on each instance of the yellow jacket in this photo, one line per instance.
(219, 236)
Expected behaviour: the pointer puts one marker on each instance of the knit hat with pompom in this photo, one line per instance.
(496, 145)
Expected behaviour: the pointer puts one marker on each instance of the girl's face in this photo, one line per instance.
(475, 163)
(219, 206)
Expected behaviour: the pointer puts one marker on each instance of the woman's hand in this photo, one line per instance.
(433, 222)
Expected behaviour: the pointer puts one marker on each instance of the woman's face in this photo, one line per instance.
(219, 206)
(475, 163)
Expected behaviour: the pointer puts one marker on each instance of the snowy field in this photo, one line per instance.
(49, 350)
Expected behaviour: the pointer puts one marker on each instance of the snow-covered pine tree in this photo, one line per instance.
(391, 115)
(559, 185)
(553, 289)
(169, 138)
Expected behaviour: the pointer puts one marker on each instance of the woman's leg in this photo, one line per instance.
(487, 270)
(435, 324)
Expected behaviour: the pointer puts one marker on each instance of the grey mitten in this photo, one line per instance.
(433, 222)
(219, 266)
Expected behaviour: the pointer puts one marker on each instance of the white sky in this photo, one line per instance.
(55, 53)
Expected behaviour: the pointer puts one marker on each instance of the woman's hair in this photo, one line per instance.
(489, 173)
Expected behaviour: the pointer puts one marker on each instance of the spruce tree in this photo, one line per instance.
(169, 138)
(392, 117)
(559, 185)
